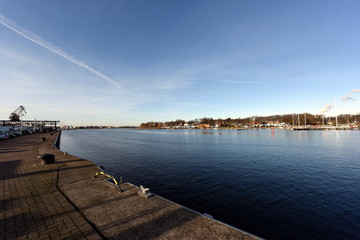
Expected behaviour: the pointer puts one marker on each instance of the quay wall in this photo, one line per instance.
(125, 214)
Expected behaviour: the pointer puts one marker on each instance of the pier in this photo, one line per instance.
(64, 200)
(307, 128)
(38, 124)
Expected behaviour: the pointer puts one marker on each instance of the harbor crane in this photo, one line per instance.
(17, 114)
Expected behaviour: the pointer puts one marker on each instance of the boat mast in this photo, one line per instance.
(299, 119)
(336, 118)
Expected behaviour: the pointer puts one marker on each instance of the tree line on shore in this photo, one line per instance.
(288, 119)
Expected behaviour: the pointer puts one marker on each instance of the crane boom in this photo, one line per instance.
(17, 114)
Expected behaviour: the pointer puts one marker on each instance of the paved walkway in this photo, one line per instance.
(31, 207)
(65, 201)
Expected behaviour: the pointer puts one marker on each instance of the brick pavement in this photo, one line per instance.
(31, 206)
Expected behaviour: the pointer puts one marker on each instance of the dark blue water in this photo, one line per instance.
(282, 185)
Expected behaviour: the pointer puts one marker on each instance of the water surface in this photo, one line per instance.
(282, 185)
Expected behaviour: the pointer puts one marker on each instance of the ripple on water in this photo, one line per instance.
(290, 185)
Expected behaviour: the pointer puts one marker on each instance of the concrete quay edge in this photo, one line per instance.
(112, 214)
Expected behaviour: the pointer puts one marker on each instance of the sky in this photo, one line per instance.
(119, 63)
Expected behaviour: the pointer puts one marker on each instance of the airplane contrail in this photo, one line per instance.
(58, 51)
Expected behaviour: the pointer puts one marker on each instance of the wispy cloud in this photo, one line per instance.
(240, 82)
(171, 83)
(349, 96)
(346, 98)
(6, 22)
(326, 108)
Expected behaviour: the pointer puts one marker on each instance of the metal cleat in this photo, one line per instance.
(144, 192)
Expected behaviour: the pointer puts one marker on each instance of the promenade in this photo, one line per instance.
(64, 201)
(31, 207)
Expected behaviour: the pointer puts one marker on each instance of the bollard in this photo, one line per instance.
(47, 158)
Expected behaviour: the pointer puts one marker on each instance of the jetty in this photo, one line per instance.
(321, 128)
(64, 200)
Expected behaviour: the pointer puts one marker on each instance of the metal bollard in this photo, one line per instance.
(47, 158)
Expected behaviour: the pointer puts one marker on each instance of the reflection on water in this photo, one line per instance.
(278, 185)
(208, 132)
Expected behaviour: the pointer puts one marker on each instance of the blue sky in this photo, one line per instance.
(127, 62)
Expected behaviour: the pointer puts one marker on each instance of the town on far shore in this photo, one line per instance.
(304, 121)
